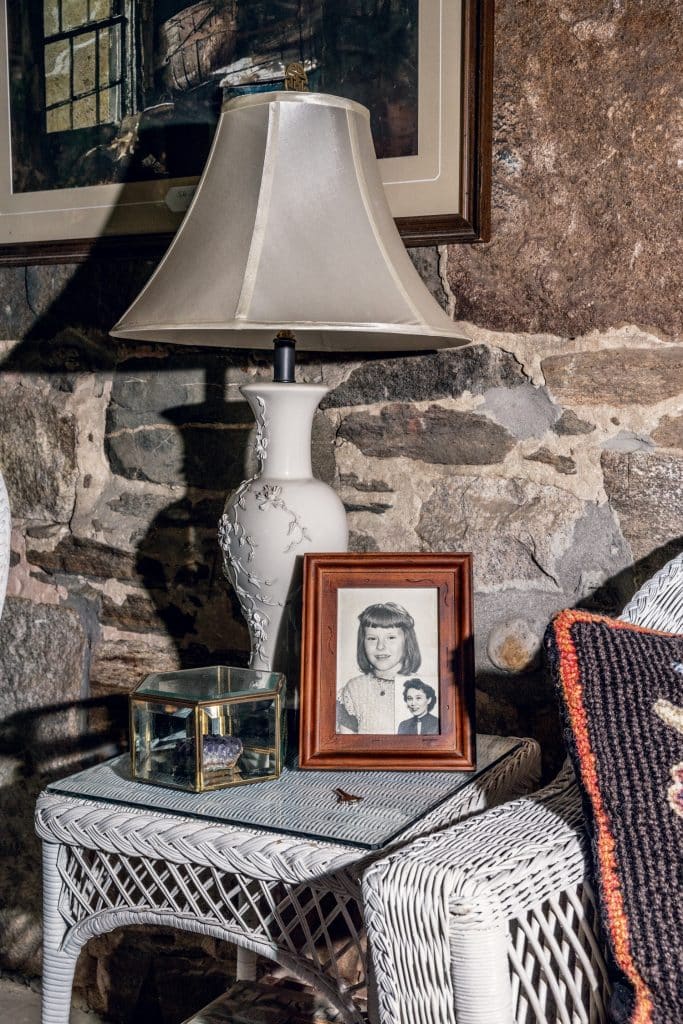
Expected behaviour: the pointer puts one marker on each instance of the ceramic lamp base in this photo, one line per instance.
(273, 519)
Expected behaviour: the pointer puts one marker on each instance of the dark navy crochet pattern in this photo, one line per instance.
(621, 690)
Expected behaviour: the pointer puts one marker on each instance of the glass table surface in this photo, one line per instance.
(299, 803)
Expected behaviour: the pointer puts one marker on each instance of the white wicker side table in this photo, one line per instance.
(275, 868)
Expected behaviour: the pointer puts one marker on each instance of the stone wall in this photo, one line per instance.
(552, 447)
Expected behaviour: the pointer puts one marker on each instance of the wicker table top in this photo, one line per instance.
(299, 803)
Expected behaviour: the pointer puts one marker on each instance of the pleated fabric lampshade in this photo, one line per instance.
(290, 230)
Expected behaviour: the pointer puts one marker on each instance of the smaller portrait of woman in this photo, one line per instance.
(420, 700)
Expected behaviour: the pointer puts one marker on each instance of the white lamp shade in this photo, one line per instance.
(290, 229)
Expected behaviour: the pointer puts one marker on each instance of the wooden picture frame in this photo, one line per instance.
(373, 624)
(441, 194)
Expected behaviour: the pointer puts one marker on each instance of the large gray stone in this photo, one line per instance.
(37, 452)
(42, 664)
(616, 376)
(142, 446)
(444, 374)
(517, 530)
(145, 387)
(595, 569)
(16, 316)
(168, 422)
(45, 283)
(646, 490)
(42, 299)
(447, 437)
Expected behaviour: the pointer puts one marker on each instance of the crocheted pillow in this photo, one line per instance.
(621, 687)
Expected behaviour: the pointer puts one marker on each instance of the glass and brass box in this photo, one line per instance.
(205, 728)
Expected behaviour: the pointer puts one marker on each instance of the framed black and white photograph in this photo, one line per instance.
(108, 108)
(387, 669)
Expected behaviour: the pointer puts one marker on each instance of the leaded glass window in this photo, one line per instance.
(84, 62)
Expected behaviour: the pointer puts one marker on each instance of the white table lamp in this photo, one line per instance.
(289, 240)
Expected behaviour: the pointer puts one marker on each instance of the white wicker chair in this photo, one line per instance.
(493, 921)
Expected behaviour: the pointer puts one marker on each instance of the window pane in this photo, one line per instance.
(74, 13)
(115, 53)
(50, 17)
(59, 119)
(103, 45)
(110, 105)
(85, 115)
(100, 9)
(57, 62)
(84, 63)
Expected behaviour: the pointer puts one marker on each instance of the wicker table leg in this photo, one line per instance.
(246, 964)
(482, 993)
(58, 965)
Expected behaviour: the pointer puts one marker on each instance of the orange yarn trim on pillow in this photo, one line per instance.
(570, 677)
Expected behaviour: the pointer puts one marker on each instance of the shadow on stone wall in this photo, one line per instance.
(37, 746)
(117, 459)
(149, 522)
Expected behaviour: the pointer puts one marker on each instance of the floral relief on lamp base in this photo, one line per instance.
(271, 520)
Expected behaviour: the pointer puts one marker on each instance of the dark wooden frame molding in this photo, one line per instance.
(320, 746)
(473, 224)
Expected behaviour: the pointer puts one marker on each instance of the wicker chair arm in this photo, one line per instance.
(510, 858)
(459, 888)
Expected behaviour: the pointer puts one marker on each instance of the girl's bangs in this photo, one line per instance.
(382, 617)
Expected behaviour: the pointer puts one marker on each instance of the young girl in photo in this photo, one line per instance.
(388, 653)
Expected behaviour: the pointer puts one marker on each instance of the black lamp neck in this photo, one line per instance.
(284, 358)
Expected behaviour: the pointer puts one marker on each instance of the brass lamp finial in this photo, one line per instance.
(296, 78)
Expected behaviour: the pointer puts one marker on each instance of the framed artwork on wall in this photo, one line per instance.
(108, 107)
(387, 674)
